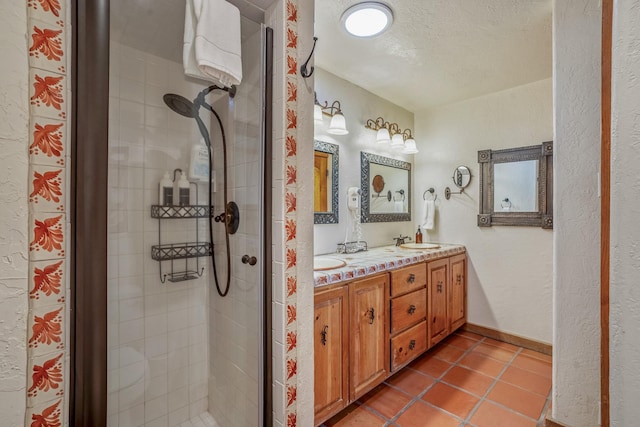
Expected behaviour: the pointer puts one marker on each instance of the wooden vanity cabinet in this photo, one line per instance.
(446, 288)
(408, 311)
(369, 339)
(331, 352)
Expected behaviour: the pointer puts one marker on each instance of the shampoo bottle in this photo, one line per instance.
(199, 166)
(183, 190)
(419, 236)
(165, 197)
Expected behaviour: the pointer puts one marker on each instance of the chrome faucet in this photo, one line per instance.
(400, 240)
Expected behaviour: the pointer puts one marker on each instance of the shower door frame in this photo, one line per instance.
(88, 212)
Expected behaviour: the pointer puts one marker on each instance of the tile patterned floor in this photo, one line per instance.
(467, 380)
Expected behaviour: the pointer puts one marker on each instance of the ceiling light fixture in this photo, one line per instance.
(367, 19)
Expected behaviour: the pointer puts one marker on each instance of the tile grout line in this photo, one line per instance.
(418, 397)
(471, 413)
(545, 408)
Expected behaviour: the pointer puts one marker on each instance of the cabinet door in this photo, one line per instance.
(437, 275)
(369, 340)
(457, 292)
(330, 343)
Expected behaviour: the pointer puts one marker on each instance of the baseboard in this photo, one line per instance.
(534, 345)
(548, 422)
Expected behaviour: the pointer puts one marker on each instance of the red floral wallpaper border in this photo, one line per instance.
(49, 97)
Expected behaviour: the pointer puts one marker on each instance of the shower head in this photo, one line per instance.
(180, 105)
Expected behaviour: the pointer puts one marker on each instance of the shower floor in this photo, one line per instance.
(203, 420)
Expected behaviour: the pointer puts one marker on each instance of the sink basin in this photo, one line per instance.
(326, 263)
(419, 246)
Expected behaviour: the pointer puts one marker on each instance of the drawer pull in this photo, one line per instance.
(371, 314)
(439, 287)
(412, 309)
(323, 335)
(459, 279)
(412, 344)
(412, 278)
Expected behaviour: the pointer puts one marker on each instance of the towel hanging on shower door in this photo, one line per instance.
(212, 42)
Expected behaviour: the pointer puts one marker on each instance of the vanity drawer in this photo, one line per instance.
(408, 310)
(408, 345)
(407, 279)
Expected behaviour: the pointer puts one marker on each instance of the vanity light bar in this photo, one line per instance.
(391, 133)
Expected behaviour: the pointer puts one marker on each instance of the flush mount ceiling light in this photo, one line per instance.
(367, 19)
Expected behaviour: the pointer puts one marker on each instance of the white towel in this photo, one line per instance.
(212, 42)
(398, 206)
(429, 210)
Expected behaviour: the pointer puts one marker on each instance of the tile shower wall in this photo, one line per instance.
(157, 361)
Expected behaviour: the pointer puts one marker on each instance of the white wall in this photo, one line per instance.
(625, 209)
(576, 373)
(358, 105)
(14, 212)
(510, 268)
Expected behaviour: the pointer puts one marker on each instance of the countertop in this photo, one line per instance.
(376, 260)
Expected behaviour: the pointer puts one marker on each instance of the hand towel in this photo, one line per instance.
(398, 206)
(429, 210)
(212, 42)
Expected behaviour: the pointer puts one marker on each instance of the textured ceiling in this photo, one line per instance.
(440, 51)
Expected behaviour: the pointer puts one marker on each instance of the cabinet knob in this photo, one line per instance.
(371, 314)
(412, 278)
(459, 279)
(412, 344)
(323, 335)
(251, 260)
(412, 309)
(439, 287)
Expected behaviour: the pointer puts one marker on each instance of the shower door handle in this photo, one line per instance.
(251, 260)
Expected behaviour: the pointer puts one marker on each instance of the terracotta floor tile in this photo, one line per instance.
(468, 380)
(501, 344)
(355, 416)
(490, 415)
(538, 366)
(483, 364)
(413, 382)
(460, 342)
(471, 335)
(451, 399)
(422, 415)
(519, 400)
(447, 352)
(527, 380)
(494, 352)
(386, 400)
(536, 355)
(431, 366)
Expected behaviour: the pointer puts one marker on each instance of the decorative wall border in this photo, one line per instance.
(49, 96)
(290, 243)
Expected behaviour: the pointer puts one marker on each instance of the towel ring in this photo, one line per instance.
(433, 194)
(505, 203)
(401, 193)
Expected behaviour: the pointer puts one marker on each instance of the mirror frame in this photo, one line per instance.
(544, 216)
(333, 216)
(365, 160)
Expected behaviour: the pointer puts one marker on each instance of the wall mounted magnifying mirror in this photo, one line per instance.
(461, 179)
(516, 186)
(325, 182)
(386, 189)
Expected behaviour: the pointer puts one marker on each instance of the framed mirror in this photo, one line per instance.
(386, 189)
(325, 182)
(516, 186)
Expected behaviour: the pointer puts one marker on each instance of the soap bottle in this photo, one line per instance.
(419, 236)
(165, 198)
(199, 166)
(183, 190)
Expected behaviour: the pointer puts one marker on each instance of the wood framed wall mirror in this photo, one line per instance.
(386, 189)
(325, 182)
(516, 186)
